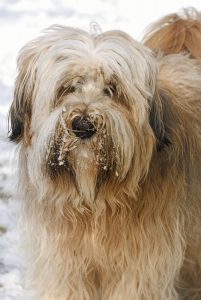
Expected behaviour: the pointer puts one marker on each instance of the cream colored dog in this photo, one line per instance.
(109, 167)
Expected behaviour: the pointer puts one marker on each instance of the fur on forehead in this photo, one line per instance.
(64, 50)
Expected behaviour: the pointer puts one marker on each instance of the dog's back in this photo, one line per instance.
(176, 33)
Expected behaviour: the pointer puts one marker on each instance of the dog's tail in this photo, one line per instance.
(176, 33)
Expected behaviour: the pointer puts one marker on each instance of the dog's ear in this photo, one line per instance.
(21, 107)
(159, 118)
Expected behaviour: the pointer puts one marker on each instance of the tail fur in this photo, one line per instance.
(176, 33)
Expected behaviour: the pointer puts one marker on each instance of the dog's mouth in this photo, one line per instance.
(84, 152)
(80, 141)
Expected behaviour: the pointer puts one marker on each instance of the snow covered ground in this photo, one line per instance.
(20, 21)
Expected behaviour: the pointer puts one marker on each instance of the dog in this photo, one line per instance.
(109, 135)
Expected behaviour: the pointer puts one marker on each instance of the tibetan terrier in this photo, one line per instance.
(109, 135)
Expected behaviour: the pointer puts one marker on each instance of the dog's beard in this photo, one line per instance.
(89, 163)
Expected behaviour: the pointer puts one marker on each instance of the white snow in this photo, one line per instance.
(20, 21)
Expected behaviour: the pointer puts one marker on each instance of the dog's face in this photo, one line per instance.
(82, 109)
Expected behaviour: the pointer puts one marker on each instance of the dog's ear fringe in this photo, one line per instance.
(20, 110)
(15, 125)
(19, 113)
(158, 118)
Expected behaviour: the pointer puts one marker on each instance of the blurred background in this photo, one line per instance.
(20, 21)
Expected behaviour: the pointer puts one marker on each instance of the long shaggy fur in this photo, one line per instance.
(116, 216)
(176, 33)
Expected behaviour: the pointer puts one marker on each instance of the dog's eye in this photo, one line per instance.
(62, 91)
(110, 91)
(65, 90)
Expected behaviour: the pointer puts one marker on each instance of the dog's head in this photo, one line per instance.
(85, 109)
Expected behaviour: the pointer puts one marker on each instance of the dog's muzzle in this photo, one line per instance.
(83, 128)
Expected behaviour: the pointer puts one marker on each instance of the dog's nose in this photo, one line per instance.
(83, 128)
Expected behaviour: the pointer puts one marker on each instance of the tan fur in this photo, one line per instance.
(176, 33)
(116, 216)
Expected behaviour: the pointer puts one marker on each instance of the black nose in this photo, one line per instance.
(83, 128)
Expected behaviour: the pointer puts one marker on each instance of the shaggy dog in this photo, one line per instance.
(109, 140)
